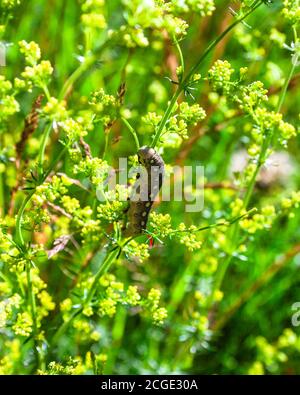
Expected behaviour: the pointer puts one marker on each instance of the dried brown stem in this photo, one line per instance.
(86, 148)
(30, 125)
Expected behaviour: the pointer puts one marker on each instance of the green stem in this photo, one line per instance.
(183, 83)
(289, 77)
(32, 303)
(46, 91)
(215, 42)
(267, 141)
(55, 162)
(225, 223)
(286, 84)
(180, 54)
(107, 132)
(2, 199)
(223, 266)
(19, 235)
(2, 194)
(133, 132)
(31, 296)
(61, 330)
(166, 116)
(117, 335)
(84, 66)
(260, 161)
(269, 138)
(109, 259)
(180, 285)
(41, 155)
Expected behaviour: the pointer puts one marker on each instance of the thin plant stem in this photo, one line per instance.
(32, 303)
(180, 285)
(2, 194)
(84, 66)
(269, 137)
(180, 54)
(182, 84)
(221, 271)
(41, 155)
(225, 223)
(19, 235)
(110, 258)
(2, 199)
(31, 296)
(286, 84)
(46, 91)
(55, 162)
(166, 116)
(117, 335)
(260, 161)
(107, 133)
(133, 132)
(289, 76)
(215, 42)
(61, 330)
(104, 267)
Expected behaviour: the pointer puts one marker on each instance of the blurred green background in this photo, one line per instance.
(255, 334)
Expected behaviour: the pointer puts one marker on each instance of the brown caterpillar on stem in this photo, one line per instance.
(147, 186)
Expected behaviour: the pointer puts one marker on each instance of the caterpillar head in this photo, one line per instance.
(145, 154)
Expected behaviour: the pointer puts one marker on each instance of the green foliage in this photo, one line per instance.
(201, 82)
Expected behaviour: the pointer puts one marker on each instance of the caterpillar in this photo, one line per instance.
(147, 186)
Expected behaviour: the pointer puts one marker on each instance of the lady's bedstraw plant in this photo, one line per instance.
(268, 128)
(76, 295)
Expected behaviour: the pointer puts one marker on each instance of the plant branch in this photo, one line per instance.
(266, 143)
(106, 264)
(41, 155)
(181, 86)
(133, 132)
